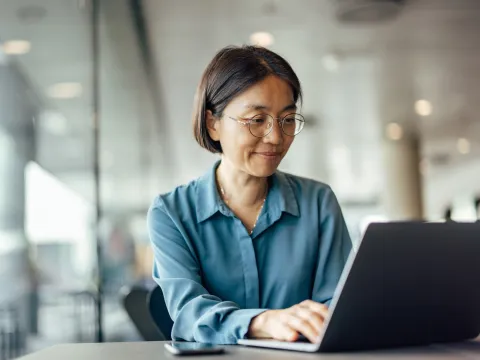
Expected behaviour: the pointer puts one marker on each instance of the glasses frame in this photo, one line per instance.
(281, 121)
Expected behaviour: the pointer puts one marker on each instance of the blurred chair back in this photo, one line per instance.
(159, 312)
(135, 304)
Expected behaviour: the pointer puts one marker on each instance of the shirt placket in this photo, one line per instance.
(249, 263)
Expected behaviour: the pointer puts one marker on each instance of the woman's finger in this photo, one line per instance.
(302, 326)
(314, 318)
(316, 307)
(285, 333)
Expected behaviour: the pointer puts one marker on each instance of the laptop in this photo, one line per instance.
(409, 283)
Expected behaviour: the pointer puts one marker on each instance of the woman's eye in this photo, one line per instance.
(259, 119)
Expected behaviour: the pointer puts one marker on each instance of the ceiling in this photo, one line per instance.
(430, 51)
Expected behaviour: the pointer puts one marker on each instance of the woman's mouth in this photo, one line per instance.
(269, 155)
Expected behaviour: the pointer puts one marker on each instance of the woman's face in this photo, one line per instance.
(253, 155)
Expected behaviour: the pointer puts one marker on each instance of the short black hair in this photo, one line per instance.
(233, 70)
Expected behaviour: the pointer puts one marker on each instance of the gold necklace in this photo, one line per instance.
(224, 197)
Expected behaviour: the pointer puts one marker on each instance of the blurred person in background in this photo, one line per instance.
(119, 254)
(448, 214)
(247, 250)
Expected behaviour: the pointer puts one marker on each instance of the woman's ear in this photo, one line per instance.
(213, 126)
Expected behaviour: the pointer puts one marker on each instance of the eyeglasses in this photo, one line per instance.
(261, 125)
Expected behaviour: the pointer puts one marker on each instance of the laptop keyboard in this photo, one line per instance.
(302, 339)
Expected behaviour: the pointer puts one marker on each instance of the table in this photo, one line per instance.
(156, 351)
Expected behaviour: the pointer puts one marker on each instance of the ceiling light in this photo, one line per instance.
(261, 38)
(16, 47)
(394, 131)
(65, 90)
(330, 62)
(463, 146)
(423, 107)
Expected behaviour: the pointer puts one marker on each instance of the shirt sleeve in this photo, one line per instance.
(334, 249)
(197, 315)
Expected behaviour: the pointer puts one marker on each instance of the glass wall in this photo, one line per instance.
(48, 235)
(47, 249)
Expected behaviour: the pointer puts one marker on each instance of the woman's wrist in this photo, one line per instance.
(257, 326)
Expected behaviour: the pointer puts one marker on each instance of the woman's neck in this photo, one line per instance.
(238, 187)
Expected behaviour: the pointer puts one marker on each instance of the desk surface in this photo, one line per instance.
(156, 351)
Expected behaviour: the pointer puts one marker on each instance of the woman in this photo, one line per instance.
(246, 250)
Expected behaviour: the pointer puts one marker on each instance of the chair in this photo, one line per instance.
(135, 304)
(159, 313)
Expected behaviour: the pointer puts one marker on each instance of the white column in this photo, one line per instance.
(402, 195)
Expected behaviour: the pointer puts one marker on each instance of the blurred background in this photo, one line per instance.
(95, 104)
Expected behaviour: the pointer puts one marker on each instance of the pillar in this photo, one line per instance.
(402, 195)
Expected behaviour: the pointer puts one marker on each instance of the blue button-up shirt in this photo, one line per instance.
(216, 277)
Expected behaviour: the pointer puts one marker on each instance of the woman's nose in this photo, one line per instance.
(275, 136)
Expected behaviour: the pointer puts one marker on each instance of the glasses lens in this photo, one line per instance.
(261, 124)
(292, 124)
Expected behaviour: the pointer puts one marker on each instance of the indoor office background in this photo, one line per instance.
(95, 104)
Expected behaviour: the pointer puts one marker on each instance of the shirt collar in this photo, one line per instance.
(281, 196)
(208, 198)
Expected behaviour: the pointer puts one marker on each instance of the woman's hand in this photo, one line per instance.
(306, 318)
